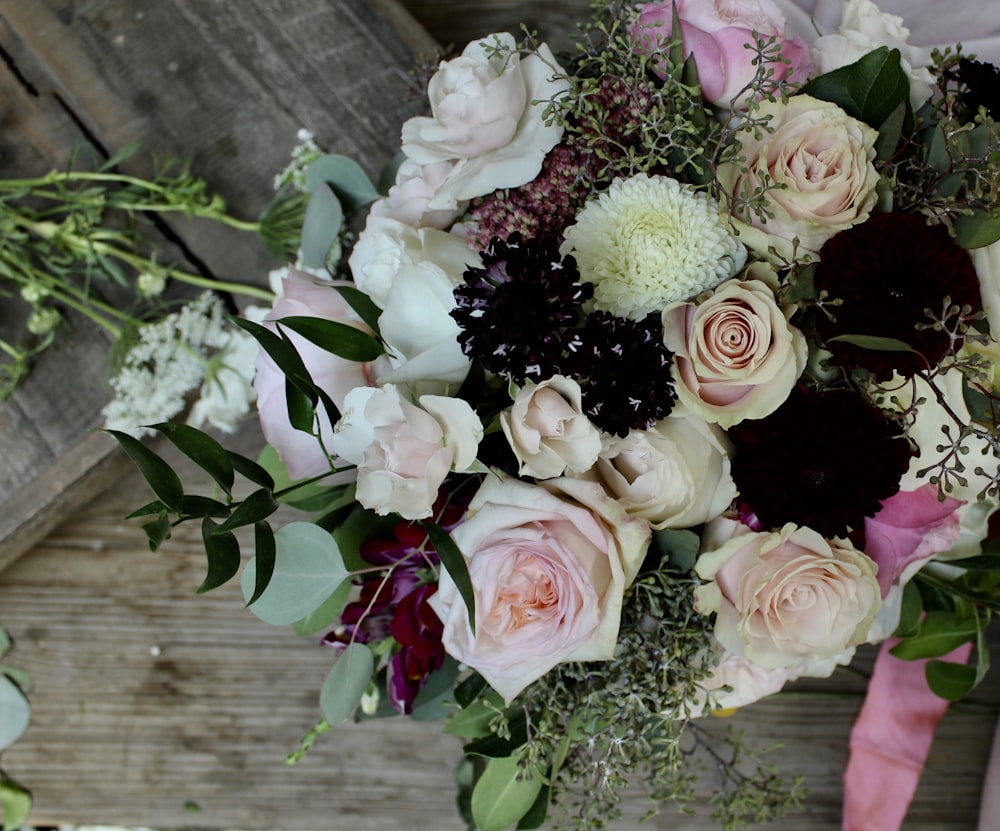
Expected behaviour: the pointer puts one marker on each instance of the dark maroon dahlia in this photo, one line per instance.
(823, 460)
(982, 86)
(624, 372)
(886, 273)
(519, 312)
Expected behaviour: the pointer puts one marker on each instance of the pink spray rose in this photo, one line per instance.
(720, 36)
(549, 568)
(911, 528)
(310, 297)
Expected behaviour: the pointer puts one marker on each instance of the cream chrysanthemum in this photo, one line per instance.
(649, 241)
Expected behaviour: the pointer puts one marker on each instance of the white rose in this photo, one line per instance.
(547, 430)
(674, 475)
(404, 452)
(787, 596)
(487, 112)
(986, 261)
(815, 164)
(863, 28)
(416, 185)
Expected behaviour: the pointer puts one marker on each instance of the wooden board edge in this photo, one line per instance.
(406, 26)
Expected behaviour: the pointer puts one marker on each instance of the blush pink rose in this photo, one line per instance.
(911, 528)
(306, 296)
(736, 356)
(549, 568)
(786, 596)
(720, 36)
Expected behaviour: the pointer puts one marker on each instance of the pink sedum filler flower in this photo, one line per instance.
(549, 567)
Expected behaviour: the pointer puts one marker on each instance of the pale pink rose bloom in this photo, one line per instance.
(786, 596)
(547, 430)
(416, 185)
(674, 475)
(822, 161)
(736, 356)
(720, 36)
(549, 567)
(487, 113)
(404, 451)
(911, 527)
(306, 296)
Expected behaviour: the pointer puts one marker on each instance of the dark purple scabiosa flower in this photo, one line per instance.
(519, 311)
(824, 460)
(544, 206)
(624, 372)
(418, 630)
(887, 272)
(982, 86)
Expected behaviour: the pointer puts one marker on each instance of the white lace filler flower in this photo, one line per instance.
(648, 241)
(169, 359)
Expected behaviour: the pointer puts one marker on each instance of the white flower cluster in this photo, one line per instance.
(172, 356)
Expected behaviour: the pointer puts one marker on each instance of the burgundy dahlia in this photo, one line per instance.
(887, 273)
(982, 86)
(823, 460)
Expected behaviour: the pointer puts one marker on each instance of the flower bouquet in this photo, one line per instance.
(662, 374)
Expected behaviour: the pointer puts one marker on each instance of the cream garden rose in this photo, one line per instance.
(821, 161)
(736, 356)
(674, 475)
(547, 430)
(785, 596)
(549, 568)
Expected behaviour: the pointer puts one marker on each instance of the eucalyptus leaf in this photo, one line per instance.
(15, 712)
(201, 449)
(339, 339)
(321, 227)
(258, 506)
(223, 553)
(436, 698)
(679, 546)
(346, 683)
(387, 176)
(160, 477)
(504, 794)
(978, 229)
(5, 642)
(345, 177)
(15, 803)
(874, 342)
(308, 569)
(454, 563)
(328, 612)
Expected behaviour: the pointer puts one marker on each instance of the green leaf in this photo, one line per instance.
(978, 229)
(360, 525)
(911, 609)
(538, 812)
(249, 469)
(890, 132)
(470, 689)
(308, 568)
(362, 304)
(436, 698)
(874, 342)
(321, 227)
(15, 712)
(346, 683)
(15, 802)
(5, 642)
(347, 342)
(495, 746)
(504, 794)
(949, 680)
(158, 531)
(474, 721)
(149, 509)
(201, 449)
(223, 552)
(870, 89)
(256, 507)
(263, 558)
(126, 152)
(454, 563)
(387, 176)
(193, 505)
(940, 632)
(679, 546)
(347, 179)
(326, 614)
(160, 477)
(984, 562)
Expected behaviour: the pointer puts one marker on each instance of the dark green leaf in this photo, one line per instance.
(257, 506)
(940, 632)
(870, 89)
(984, 562)
(890, 132)
(201, 506)
(249, 469)
(157, 531)
(160, 477)
(329, 499)
(201, 449)
(347, 179)
(223, 553)
(149, 509)
(321, 227)
(264, 555)
(978, 229)
(874, 342)
(454, 563)
(950, 681)
(387, 177)
(362, 304)
(495, 746)
(360, 525)
(912, 607)
(538, 812)
(470, 689)
(340, 339)
(680, 547)
(301, 407)
(436, 699)
(473, 722)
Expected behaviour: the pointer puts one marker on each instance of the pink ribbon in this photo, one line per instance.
(890, 741)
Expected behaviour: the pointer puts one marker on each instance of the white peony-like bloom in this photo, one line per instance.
(648, 241)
